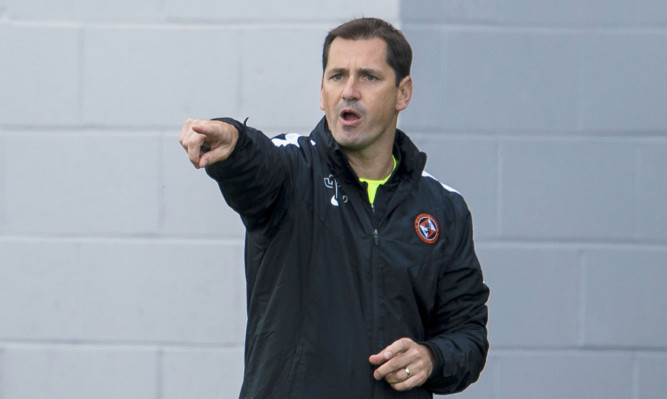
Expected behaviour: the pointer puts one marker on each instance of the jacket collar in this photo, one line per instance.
(410, 166)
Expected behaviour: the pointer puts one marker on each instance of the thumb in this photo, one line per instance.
(212, 156)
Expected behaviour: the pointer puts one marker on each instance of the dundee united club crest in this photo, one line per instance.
(427, 228)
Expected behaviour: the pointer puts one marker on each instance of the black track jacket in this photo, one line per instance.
(332, 280)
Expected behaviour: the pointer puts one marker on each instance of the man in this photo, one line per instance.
(362, 279)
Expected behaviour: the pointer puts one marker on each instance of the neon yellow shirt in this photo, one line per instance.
(372, 185)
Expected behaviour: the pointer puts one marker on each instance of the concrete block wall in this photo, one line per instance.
(121, 267)
(548, 117)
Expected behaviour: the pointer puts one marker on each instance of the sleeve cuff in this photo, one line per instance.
(217, 170)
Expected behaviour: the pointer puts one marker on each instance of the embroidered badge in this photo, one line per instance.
(338, 196)
(427, 228)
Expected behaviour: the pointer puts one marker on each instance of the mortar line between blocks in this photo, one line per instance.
(159, 377)
(637, 195)
(635, 377)
(499, 188)
(583, 272)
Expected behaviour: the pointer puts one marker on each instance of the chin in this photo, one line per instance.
(347, 137)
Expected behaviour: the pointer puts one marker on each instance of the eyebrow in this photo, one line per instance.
(336, 71)
(370, 71)
(363, 71)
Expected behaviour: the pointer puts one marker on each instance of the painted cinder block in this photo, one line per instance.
(623, 82)
(653, 12)
(193, 204)
(88, 183)
(280, 85)
(535, 296)
(573, 13)
(78, 372)
(420, 11)
(124, 291)
(518, 81)
(202, 373)
(557, 375)
(39, 284)
(84, 10)
(429, 72)
(652, 369)
(40, 75)
(158, 76)
(562, 189)
(468, 165)
(295, 11)
(3, 196)
(652, 205)
(176, 292)
(625, 298)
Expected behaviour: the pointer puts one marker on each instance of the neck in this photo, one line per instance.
(373, 168)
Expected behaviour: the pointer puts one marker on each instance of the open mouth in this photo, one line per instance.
(350, 116)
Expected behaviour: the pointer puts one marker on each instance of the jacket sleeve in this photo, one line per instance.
(458, 335)
(253, 178)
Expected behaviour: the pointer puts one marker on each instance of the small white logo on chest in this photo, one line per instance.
(332, 183)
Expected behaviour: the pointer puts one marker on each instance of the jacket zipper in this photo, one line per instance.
(376, 282)
(375, 277)
(375, 300)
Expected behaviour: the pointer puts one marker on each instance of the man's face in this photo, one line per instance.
(359, 95)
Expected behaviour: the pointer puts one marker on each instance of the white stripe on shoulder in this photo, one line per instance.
(446, 187)
(287, 139)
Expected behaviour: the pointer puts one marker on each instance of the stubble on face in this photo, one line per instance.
(359, 93)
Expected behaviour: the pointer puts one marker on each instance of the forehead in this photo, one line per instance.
(345, 53)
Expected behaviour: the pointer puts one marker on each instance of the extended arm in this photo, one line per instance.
(251, 171)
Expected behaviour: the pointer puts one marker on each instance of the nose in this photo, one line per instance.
(350, 91)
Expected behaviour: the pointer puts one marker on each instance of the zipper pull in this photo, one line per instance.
(375, 236)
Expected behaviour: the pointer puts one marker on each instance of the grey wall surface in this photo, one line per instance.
(549, 118)
(121, 267)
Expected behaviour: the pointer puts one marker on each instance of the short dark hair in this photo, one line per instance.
(399, 52)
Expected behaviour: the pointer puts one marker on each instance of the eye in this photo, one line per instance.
(336, 76)
(371, 78)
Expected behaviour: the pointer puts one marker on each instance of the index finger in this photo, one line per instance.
(205, 127)
(391, 351)
(391, 358)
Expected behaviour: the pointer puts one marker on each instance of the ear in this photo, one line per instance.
(322, 95)
(404, 93)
